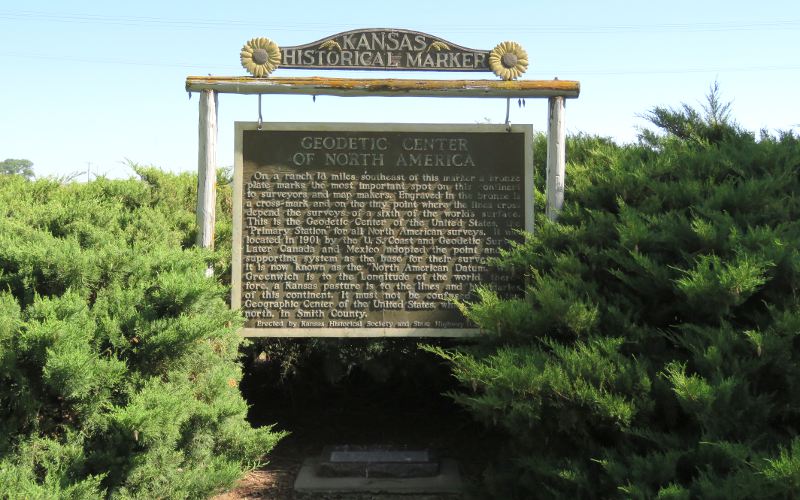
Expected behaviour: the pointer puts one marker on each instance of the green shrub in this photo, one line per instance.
(655, 351)
(118, 357)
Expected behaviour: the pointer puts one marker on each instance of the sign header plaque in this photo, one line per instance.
(385, 49)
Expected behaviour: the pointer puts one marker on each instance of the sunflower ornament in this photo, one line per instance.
(508, 60)
(260, 56)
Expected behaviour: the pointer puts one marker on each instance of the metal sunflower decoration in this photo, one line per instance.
(508, 60)
(260, 56)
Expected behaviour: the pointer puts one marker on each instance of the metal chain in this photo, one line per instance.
(260, 121)
(508, 114)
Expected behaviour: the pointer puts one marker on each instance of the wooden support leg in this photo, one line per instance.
(207, 170)
(556, 157)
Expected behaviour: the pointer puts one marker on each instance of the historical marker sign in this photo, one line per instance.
(373, 229)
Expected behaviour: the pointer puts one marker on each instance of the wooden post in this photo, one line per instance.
(556, 156)
(207, 169)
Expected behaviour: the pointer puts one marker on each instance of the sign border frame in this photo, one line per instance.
(238, 184)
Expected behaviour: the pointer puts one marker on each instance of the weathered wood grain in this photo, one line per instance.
(207, 169)
(386, 87)
(556, 157)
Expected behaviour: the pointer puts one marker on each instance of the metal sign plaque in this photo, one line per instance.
(385, 49)
(352, 230)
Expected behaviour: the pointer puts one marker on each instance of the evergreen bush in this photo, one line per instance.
(654, 348)
(118, 357)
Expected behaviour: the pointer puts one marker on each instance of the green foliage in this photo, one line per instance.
(783, 472)
(654, 353)
(118, 357)
(10, 166)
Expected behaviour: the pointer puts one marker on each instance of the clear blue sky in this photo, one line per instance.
(101, 82)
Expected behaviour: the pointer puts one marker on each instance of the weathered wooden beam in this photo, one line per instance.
(346, 87)
(207, 169)
(556, 157)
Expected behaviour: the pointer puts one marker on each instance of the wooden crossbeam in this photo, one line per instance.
(386, 87)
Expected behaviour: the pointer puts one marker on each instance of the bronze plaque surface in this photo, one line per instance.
(373, 230)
